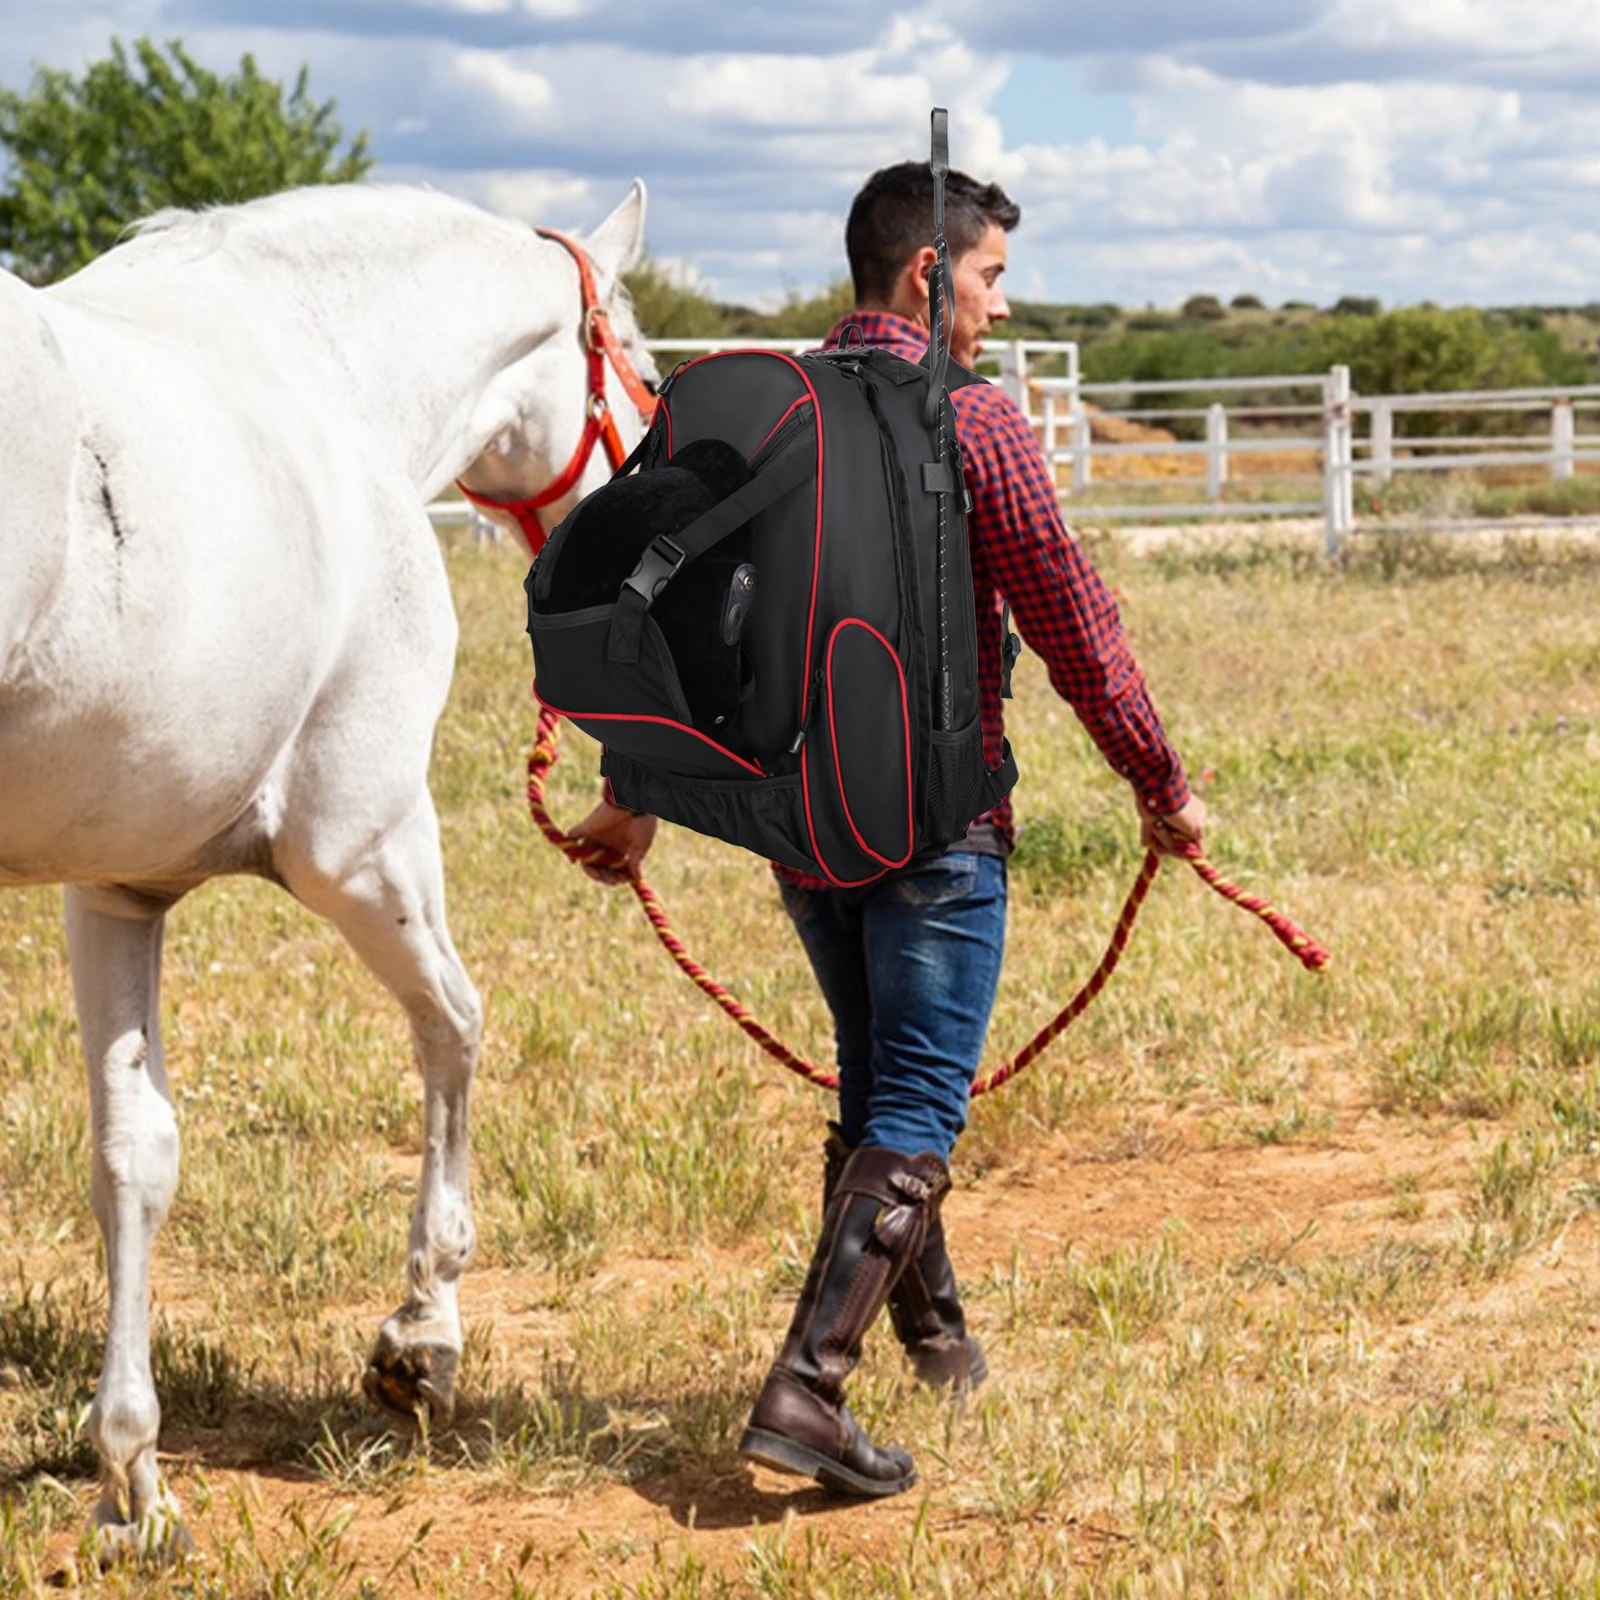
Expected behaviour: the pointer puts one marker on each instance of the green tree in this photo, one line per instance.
(146, 129)
(1426, 349)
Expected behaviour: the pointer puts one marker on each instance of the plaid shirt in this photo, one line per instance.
(1022, 551)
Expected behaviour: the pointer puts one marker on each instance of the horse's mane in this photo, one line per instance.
(285, 226)
(277, 224)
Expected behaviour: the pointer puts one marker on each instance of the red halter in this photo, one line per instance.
(600, 341)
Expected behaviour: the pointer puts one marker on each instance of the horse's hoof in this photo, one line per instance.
(407, 1379)
(157, 1539)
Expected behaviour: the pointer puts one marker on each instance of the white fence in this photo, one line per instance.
(1065, 413)
(1237, 418)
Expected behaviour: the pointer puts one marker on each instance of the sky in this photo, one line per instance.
(1447, 150)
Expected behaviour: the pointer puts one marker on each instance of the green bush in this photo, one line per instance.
(668, 310)
(799, 317)
(1424, 348)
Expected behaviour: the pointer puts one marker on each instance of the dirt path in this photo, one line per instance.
(468, 1532)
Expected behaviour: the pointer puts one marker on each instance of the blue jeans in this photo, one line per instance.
(908, 967)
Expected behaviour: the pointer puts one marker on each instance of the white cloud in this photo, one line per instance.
(1457, 31)
(524, 94)
(1412, 189)
(531, 196)
(805, 92)
(544, 10)
(1291, 147)
(682, 273)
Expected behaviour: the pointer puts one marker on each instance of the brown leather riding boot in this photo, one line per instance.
(925, 1304)
(875, 1223)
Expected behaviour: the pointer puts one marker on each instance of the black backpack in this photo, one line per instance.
(770, 626)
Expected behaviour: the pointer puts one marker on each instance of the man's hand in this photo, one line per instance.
(1172, 835)
(620, 830)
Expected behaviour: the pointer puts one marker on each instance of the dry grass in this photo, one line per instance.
(1290, 1286)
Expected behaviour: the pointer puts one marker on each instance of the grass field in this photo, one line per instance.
(1290, 1286)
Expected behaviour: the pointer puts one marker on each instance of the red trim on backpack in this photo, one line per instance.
(804, 400)
(816, 542)
(811, 828)
(665, 722)
(833, 739)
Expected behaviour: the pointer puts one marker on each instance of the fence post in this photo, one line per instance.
(1337, 451)
(1216, 449)
(1382, 443)
(1082, 472)
(1050, 427)
(1014, 372)
(1561, 440)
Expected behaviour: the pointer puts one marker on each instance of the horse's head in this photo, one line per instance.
(567, 411)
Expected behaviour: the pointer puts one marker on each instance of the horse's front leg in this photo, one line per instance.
(418, 1349)
(391, 908)
(115, 947)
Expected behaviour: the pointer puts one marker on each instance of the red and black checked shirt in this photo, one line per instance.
(1022, 551)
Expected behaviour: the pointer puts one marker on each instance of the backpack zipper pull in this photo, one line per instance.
(810, 708)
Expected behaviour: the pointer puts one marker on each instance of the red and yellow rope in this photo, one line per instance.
(547, 752)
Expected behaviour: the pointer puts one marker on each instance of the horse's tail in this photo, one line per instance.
(38, 434)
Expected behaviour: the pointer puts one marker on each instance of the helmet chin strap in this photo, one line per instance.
(601, 344)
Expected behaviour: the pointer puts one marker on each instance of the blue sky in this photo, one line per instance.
(1297, 149)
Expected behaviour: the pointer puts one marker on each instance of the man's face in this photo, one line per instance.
(979, 301)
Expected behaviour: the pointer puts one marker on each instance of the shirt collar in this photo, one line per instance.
(886, 328)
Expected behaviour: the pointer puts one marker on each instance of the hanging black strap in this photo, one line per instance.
(938, 352)
(635, 456)
(1010, 649)
(666, 555)
(942, 480)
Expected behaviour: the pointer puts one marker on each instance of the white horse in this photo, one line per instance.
(226, 636)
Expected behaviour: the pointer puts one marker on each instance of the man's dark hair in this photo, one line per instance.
(892, 218)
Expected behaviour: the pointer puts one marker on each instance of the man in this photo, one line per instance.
(909, 964)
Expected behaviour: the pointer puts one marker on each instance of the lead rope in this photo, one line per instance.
(547, 751)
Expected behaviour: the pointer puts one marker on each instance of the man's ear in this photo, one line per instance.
(911, 292)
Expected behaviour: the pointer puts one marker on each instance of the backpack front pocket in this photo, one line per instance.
(637, 707)
(866, 764)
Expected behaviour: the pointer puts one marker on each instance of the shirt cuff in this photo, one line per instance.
(1172, 795)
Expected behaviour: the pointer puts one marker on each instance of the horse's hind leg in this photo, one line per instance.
(115, 946)
(391, 908)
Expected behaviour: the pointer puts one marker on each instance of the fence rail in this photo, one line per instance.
(1067, 411)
